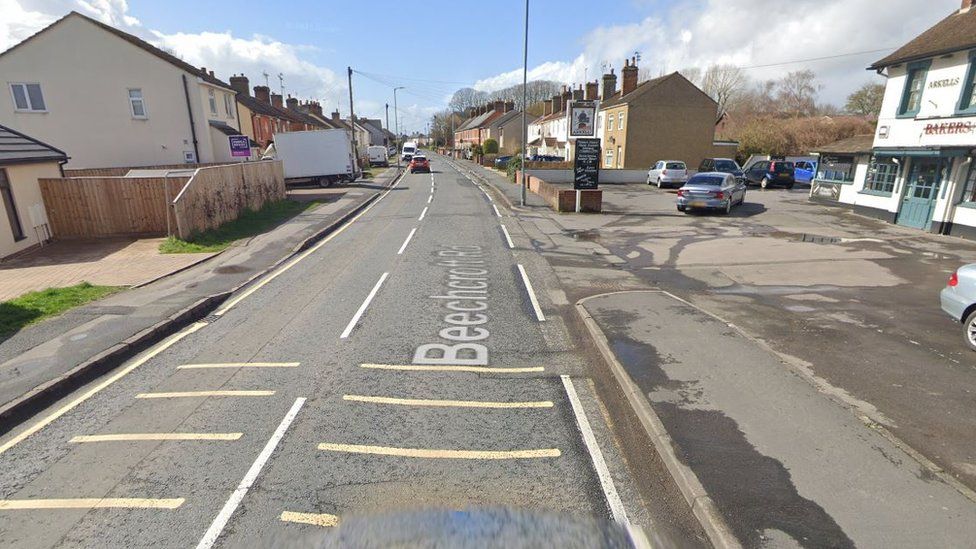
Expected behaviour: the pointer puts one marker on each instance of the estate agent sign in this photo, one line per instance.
(240, 145)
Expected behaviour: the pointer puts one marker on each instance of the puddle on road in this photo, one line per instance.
(231, 269)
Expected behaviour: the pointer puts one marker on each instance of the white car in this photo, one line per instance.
(668, 173)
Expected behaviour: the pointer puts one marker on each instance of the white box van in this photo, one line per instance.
(377, 155)
(409, 149)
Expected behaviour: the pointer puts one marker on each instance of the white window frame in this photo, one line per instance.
(141, 99)
(620, 120)
(229, 105)
(608, 158)
(30, 106)
(610, 122)
(212, 97)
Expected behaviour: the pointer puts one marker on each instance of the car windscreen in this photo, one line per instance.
(706, 180)
(725, 166)
(408, 150)
(675, 166)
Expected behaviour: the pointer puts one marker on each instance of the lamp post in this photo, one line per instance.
(525, 76)
(396, 121)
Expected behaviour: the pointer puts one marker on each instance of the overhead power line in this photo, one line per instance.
(824, 58)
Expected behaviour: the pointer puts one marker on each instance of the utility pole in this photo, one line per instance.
(388, 116)
(453, 153)
(525, 77)
(396, 120)
(352, 122)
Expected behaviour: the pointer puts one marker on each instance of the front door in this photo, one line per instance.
(918, 201)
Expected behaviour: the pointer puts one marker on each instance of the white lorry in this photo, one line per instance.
(378, 155)
(322, 157)
(409, 149)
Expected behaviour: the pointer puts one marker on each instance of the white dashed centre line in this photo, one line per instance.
(430, 198)
(422, 214)
(362, 308)
(407, 241)
(508, 237)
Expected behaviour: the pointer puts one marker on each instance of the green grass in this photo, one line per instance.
(35, 306)
(249, 224)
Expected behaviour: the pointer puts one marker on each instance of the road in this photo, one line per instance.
(413, 359)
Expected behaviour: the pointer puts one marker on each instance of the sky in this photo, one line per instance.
(434, 47)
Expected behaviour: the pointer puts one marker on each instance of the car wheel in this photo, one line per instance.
(681, 208)
(728, 207)
(969, 330)
(659, 184)
(764, 183)
(790, 186)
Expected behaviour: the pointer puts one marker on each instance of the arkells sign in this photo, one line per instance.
(240, 145)
(582, 118)
(586, 167)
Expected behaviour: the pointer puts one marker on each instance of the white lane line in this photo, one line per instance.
(90, 503)
(217, 365)
(199, 394)
(488, 196)
(407, 241)
(142, 437)
(209, 538)
(528, 287)
(445, 403)
(430, 198)
(440, 454)
(596, 455)
(422, 214)
(165, 344)
(452, 368)
(508, 237)
(498, 213)
(362, 308)
(294, 261)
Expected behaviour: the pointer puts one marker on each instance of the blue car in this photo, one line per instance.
(804, 171)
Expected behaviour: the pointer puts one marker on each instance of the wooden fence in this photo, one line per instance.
(119, 172)
(93, 207)
(214, 196)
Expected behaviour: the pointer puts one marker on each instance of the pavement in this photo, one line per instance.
(832, 403)
(421, 357)
(46, 352)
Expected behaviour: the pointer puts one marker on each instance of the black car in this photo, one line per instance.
(767, 173)
(723, 165)
(502, 162)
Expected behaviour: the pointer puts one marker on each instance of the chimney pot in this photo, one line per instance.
(592, 90)
(499, 106)
(240, 84)
(578, 93)
(263, 94)
(211, 73)
(609, 85)
(292, 103)
(509, 106)
(335, 115)
(629, 78)
(276, 100)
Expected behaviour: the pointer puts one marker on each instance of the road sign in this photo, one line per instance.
(586, 167)
(582, 119)
(240, 145)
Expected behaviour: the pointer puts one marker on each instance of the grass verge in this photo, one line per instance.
(249, 224)
(33, 307)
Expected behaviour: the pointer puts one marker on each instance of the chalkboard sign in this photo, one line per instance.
(586, 169)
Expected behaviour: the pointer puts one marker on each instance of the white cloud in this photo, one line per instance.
(748, 33)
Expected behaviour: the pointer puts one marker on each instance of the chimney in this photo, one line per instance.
(609, 85)
(335, 116)
(262, 94)
(211, 73)
(203, 70)
(578, 93)
(557, 103)
(547, 107)
(276, 100)
(567, 95)
(240, 84)
(292, 102)
(592, 90)
(315, 108)
(499, 106)
(472, 112)
(509, 106)
(629, 76)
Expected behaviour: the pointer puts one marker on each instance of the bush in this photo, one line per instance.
(515, 163)
(490, 146)
(476, 150)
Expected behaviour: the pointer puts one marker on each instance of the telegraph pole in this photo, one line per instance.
(525, 76)
(396, 120)
(387, 116)
(352, 123)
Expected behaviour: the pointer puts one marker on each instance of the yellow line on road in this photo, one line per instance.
(451, 368)
(316, 519)
(125, 437)
(440, 454)
(446, 403)
(239, 365)
(89, 503)
(190, 394)
(95, 390)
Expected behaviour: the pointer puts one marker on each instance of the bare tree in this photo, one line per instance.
(693, 74)
(724, 84)
(465, 98)
(797, 93)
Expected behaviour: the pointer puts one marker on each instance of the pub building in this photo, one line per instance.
(919, 171)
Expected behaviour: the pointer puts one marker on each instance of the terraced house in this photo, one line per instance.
(921, 172)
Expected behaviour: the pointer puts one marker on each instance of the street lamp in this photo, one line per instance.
(525, 76)
(396, 121)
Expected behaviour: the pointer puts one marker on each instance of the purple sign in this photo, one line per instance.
(240, 145)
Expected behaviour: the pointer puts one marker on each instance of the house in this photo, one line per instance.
(377, 136)
(662, 118)
(508, 129)
(920, 172)
(550, 133)
(490, 128)
(111, 99)
(469, 133)
(23, 219)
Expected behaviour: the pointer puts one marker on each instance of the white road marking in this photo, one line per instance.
(422, 214)
(90, 503)
(498, 213)
(596, 455)
(362, 308)
(452, 368)
(430, 198)
(198, 394)
(210, 537)
(407, 241)
(141, 437)
(238, 365)
(508, 237)
(488, 196)
(294, 261)
(440, 454)
(445, 403)
(324, 520)
(145, 357)
(528, 287)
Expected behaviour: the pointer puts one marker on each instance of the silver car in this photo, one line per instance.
(959, 301)
(668, 173)
(711, 191)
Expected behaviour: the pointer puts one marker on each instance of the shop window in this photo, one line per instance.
(882, 173)
(969, 189)
(911, 99)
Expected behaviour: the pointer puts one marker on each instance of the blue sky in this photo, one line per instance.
(434, 47)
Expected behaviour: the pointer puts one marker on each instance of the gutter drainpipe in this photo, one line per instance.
(189, 112)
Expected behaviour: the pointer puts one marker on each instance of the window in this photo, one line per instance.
(620, 120)
(7, 196)
(911, 100)
(28, 97)
(882, 173)
(967, 99)
(610, 121)
(608, 161)
(837, 168)
(969, 189)
(228, 105)
(136, 104)
(213, 101)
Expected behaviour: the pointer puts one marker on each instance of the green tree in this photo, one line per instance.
(490, 146)
(866, 100)
(476, 150)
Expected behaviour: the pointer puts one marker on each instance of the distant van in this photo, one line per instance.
(409, 149)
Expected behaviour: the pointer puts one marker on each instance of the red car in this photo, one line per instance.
(419, 164)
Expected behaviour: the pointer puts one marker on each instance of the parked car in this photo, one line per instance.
(545, 158)
(502, 162)
(767, 173)
(804, 171)
(958, 300)
(668, 173)
(419, 163)
(711, 191)
(723, 165)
